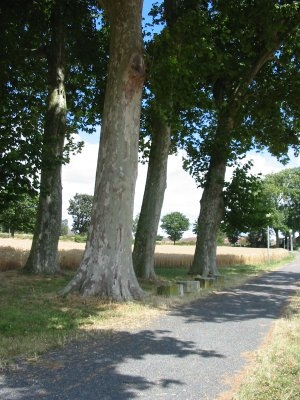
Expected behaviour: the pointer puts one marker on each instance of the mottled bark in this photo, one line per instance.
(156, 183)
(228, 103)
(211, 213)
(43, 257)
(106, 269)
(212, 202)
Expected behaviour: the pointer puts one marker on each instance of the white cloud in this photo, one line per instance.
(264, 163)
(181, 194)
(79, 175)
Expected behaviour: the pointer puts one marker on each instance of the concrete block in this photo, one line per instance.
(190, 286)
(172, 289)
(205, 282)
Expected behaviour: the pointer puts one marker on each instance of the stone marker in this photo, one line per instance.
(171, 289)
(190, 286)
(205, 282)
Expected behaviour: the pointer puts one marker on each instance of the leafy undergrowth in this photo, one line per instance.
(33, 318)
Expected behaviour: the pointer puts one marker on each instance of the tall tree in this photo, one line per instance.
(25, 51)
(53, 39)
(291, 179)
(156, 183)
(282, 189)
(43, 256)
(106, 269)
(247, 207)
(244, 41)
(167, 93)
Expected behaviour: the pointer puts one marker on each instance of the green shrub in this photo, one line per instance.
(80, 238)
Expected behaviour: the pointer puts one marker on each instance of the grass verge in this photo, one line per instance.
(275, 373)
(34, 319)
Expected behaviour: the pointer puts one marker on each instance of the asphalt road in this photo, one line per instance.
(186, 354)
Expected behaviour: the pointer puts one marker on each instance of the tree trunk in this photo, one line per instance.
(212, 206)
(43, 257)
(211, 213)
(106, 269)
(156, 183)
(212, 201)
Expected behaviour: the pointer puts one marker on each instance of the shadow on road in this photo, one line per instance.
(263, 297)
(94, 369)
(116, 366)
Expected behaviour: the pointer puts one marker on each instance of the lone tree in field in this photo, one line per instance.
(175, 224)
(80, 208)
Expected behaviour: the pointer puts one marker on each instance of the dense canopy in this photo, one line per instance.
(215, 78)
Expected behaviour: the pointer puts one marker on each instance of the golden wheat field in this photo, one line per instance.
(182, 256)
(14, 252)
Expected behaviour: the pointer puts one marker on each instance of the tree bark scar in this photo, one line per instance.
(135, 76)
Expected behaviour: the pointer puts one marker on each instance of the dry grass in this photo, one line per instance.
(274, 374)
(70, 259)
(182, 256)
(12, 258)
(25, 244)
(14, 253)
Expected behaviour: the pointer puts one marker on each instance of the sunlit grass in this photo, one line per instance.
(276, 371)
(33, 318)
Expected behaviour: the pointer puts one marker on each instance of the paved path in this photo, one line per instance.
(185, 354)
